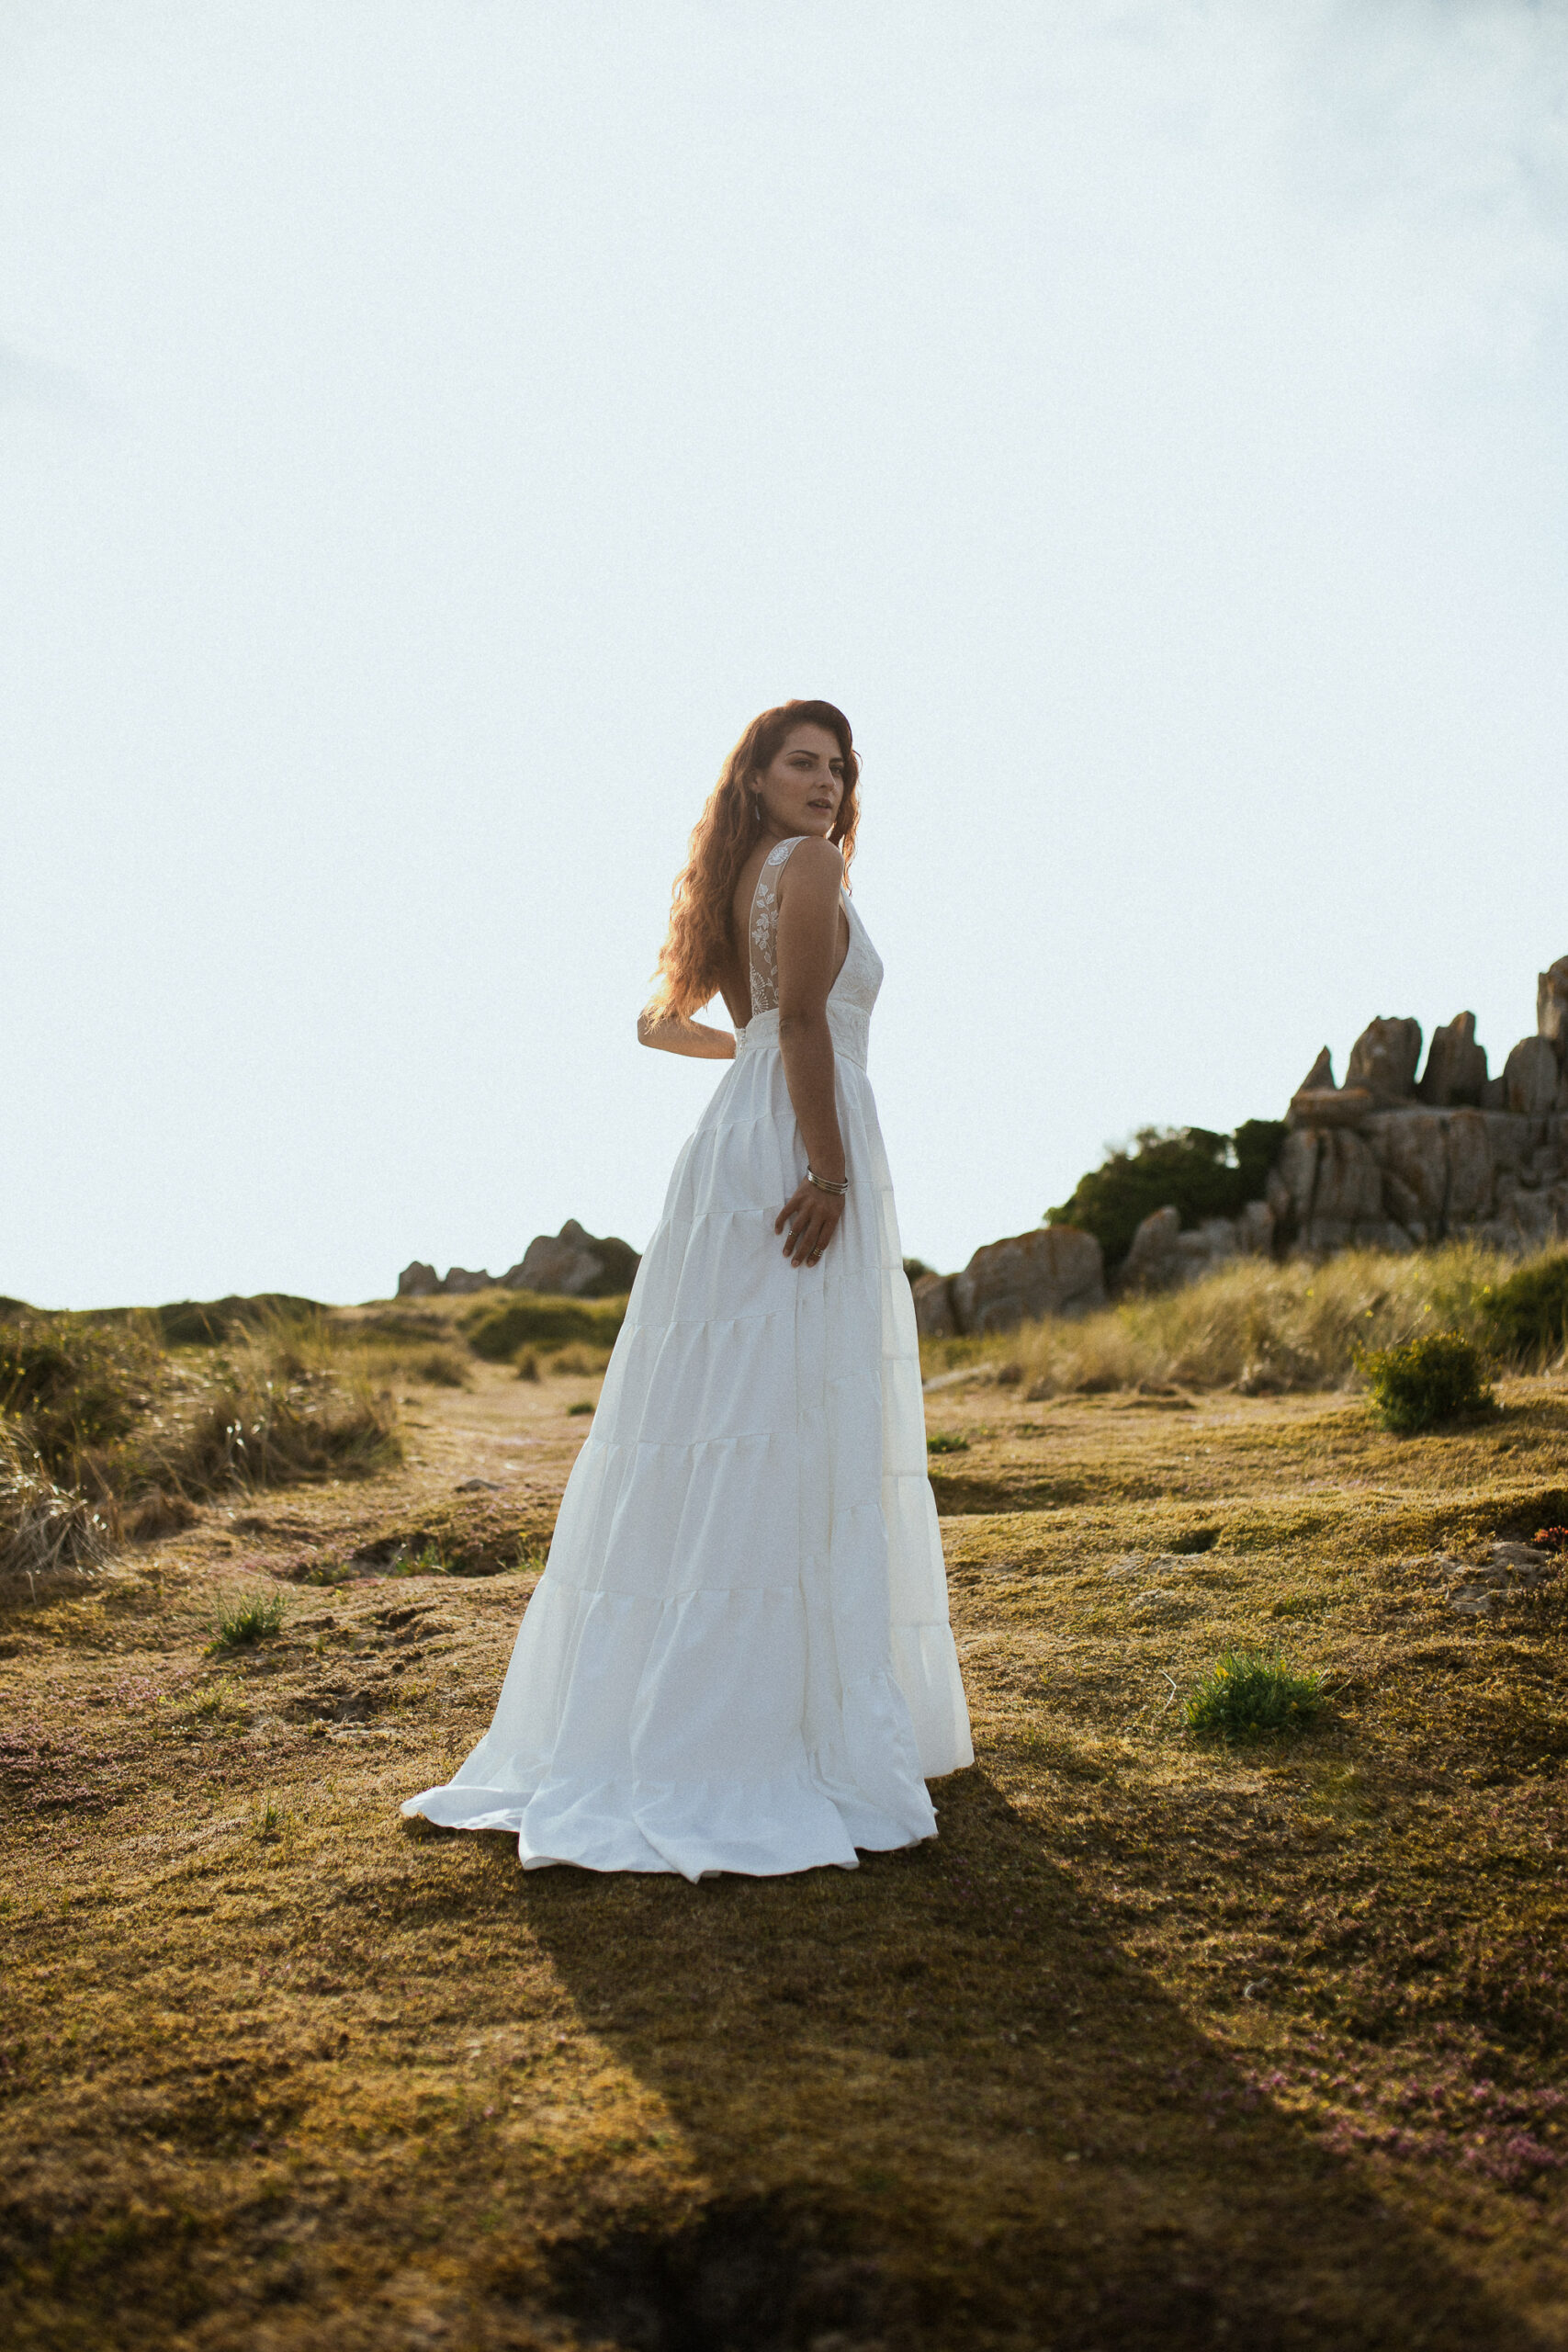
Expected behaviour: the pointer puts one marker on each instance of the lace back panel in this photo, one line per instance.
(764, 929)
(853, 994)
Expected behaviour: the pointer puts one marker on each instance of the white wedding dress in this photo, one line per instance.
(738, 1657)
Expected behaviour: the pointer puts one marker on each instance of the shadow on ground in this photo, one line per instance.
(939, 2105)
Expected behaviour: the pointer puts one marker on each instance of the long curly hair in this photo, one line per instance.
(701, 944)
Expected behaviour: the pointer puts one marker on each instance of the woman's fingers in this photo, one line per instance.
(813, 1218)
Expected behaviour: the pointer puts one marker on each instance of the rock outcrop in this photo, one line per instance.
(1383, 1059)
(419, 1281)
(1456, 1066)
(1055, 1269)
(1387, 1161)
(1163, 1258)
(1390, 1164)
(572, 1264)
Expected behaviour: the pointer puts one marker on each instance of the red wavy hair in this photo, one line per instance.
(701, 944)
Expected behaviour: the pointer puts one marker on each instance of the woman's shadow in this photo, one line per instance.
(938, 2104)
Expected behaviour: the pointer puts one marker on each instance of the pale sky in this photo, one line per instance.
(428, 433)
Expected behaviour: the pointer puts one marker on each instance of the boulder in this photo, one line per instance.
(1383, 1059)
(1471, 1178)
(1456, 1065)
(1154, 1262)
(1254, 1230)
(1410, 1153)
(1530, 1075)
(1509, 1140)
(1551, 1008)
(1526, 1219)
(1055, 1269)
(1348, 1190)
(418, 1281)
(574, 1264)
(1279, 1202)
(1163, 1258)
(1296, 1169)
(1209, 1245)
(461, 1280)
(934, 1317)
(1338, 1106)
(1403, 1205)
(1318, 1103)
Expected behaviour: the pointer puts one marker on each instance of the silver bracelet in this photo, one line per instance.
(823, 1185)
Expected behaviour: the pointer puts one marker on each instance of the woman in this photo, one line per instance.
(738, 1657)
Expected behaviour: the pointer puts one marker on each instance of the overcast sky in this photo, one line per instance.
(429, 432)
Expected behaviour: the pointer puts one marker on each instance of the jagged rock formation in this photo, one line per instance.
(1055, 1271)
(1386, 1163)
(572, 1264)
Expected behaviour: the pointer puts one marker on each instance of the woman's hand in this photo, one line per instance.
(669, 1033)
(813, 1218)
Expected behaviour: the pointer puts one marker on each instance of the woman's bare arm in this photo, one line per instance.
(672, 1034)
(808, 954)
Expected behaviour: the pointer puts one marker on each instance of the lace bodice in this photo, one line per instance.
(853, 994)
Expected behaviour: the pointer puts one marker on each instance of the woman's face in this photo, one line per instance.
(801, 790)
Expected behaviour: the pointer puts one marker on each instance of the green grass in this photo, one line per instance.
(1527, 1314)
(1428, 1383)
(428, 1561)
(945, 1442)
(1248, 1694)
(246, 1622)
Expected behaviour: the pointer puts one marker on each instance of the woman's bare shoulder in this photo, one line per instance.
(816, 864)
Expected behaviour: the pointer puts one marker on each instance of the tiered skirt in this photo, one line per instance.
(739, 1655)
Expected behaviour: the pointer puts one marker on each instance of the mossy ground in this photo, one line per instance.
(1157, 2044)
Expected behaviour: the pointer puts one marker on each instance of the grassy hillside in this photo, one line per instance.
(1162, 2043)
(1264, 1327)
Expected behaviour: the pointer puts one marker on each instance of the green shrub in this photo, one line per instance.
(496, 1327)
(1426, 1382)
(1194, 1169)
(1248, 1693)
(1526, 1316)
(253, 1620)
(943, 1441)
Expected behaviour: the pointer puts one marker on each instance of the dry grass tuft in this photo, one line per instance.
(42, 1525)
(1256, 1326)
(262, 1422)
(104, 1435)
